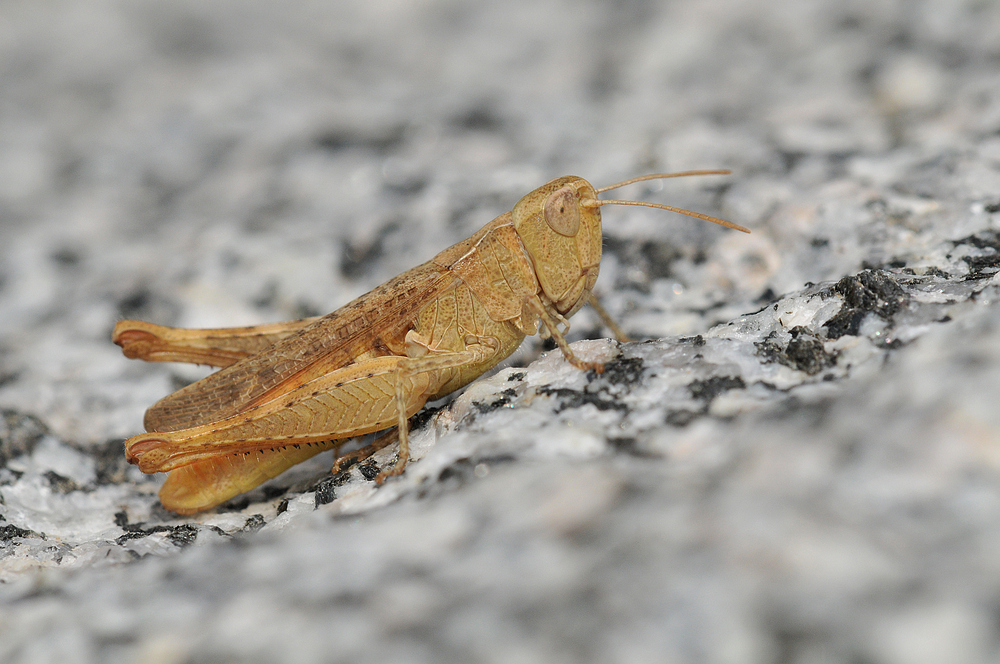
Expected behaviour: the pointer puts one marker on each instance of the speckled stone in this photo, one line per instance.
(797, 462)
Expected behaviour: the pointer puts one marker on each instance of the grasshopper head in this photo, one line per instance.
(563, 239)
(560, 225)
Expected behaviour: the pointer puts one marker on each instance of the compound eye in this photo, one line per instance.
(562, 213)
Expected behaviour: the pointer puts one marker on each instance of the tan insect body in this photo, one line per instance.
(287, 391)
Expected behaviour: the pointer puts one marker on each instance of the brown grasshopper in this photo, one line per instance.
(287, 391)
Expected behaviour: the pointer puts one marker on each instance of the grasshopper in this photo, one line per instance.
(287, 391)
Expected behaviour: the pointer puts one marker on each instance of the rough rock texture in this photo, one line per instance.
(800, 465)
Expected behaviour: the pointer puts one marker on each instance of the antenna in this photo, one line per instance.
(660, 176)
(596, 203)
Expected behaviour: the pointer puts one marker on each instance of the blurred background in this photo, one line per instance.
(237, 162)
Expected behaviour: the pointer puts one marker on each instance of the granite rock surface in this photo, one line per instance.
(798, 461)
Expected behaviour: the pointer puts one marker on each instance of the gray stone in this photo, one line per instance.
(799, 461)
